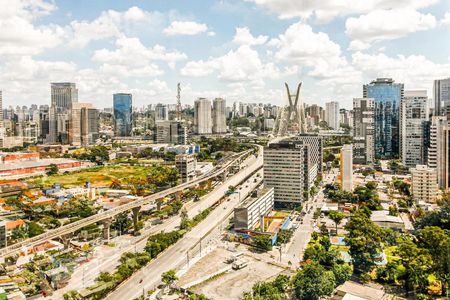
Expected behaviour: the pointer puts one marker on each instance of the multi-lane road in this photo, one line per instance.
(150, 275)
(72, 227)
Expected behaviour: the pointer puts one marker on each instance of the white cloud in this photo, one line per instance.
(327, 10)
(185, 28)
(416, 71)
(131, 53)
(211, 33)
(446, 19)
(110, 24)
(18, 34)
(244, 37)
(240, 65)
(381, 25)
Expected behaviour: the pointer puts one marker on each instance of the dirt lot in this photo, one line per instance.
(229, 285)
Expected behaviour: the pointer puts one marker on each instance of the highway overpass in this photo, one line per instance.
(134, 206)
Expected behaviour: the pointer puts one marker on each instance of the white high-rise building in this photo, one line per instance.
(424, 185)
(438, 152)
(413, 118)
(202, 116)
(219, 116)
(287, 169)
(346, 168)
(332, 114)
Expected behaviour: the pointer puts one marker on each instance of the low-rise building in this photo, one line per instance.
(186, 165)
(351, 290)
(383, 219)
(424, 185)
(253, 209)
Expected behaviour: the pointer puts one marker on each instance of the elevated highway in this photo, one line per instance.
(60, 232)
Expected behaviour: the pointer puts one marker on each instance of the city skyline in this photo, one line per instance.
(237, 50)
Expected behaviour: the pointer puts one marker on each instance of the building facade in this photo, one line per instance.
(332, 114)
(63, 96)
(346, 168)
(286, 170)
(388, 96)
(424, 185)
(363, 130)
(186, 165)
(202, 116)
(219, 116)
(123, 114)
(438, 152)
(161, 112)
(414, 117)
(315, 151)
(253, 209)
(171, 132)
(441, 95)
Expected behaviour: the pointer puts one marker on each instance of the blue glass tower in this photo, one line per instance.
(123, 108)
(387, 95)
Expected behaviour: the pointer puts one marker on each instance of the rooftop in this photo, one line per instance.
(250, 199)
(34, 164)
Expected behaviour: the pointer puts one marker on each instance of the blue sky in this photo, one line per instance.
(242, 50)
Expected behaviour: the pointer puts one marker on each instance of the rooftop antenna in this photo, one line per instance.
(178, 102)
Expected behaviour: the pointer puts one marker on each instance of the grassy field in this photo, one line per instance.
(98, 177)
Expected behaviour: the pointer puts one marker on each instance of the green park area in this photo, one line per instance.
(105, 176)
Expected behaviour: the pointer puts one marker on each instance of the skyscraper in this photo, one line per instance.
(84, 124)
(286, 169)
(123, 114)
(363, 130)
(414, 115)
(346, 168)
(439, 150)
(63, 96)
(219, 118)
(332, 114)
(387, 95)
(441, 95)
(202, 116)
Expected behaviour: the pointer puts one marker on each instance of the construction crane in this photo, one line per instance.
(178, 102)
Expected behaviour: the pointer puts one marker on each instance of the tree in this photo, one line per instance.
(417, 263)
(121, 223)
(364, 241)
(342, 273)
(34, 229)
(169, 277)
(51, 169)
(336, 217)
(262, 242)
(437, 242)
(313, 281)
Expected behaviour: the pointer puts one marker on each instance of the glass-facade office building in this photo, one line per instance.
(123, 109)
(388, 96)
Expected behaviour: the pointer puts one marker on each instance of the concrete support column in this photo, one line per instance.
(66, 238)
(135, 211)
(107, 229)
(178, 195)
(224, 176)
